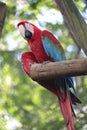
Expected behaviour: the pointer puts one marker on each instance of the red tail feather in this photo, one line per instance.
(67, 112)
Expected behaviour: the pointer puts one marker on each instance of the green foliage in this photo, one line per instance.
(26, 101)
(2, 123)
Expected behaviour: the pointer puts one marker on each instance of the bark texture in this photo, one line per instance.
(74, 21)
(3, 9)
(58, 69)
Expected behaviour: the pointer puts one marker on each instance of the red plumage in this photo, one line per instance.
(39, 55)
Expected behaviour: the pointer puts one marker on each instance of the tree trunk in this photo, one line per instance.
(58, 69)
(3, 9)
(74, 21)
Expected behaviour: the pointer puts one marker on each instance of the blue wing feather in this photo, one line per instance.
(71, 84)
(52, 49)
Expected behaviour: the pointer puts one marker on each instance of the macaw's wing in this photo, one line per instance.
(61, 86)
(52, 46)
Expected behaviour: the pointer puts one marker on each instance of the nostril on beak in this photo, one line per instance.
(28, 34)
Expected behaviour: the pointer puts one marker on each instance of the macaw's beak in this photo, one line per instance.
(28, 34)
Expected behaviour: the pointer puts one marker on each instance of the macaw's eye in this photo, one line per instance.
(28, 34)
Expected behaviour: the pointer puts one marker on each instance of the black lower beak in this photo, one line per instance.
(28, 34)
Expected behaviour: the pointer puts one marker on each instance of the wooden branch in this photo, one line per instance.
(3, 9)
(74, 21)
(58, 69)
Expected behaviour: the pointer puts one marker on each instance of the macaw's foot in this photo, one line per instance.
(46, 62)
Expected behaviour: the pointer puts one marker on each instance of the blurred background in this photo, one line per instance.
(24, 104)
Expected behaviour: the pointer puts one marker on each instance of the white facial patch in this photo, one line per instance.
(29, 27)
(22, 30)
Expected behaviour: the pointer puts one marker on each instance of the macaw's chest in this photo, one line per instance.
(39, 52)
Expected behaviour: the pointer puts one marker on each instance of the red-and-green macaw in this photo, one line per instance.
(45, 47)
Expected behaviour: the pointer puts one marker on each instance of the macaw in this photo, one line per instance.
(46, 48)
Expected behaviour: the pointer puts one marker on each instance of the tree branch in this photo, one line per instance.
(59, 69)
(74, 21)
(3, 9)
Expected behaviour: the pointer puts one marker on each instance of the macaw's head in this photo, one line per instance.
(28, 30)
